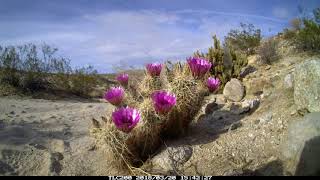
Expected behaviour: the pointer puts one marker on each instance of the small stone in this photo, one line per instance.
(247, 70)
(12, 113)
(23, 112)
(210, 108)
(235, 126)
(268, 67)
(266, 118)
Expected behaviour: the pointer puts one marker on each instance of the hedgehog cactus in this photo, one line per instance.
(154, 69)
(115, 95)
(123, 79)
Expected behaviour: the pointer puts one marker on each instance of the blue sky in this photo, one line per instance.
(105, 33)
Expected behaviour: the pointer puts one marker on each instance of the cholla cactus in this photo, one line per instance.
(228, 63)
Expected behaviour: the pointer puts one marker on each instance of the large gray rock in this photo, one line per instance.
(288, 81)
(302, 148)
(234, 90)
(169, 160)
(307, 85)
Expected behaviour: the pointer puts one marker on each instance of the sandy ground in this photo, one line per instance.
(44, 137)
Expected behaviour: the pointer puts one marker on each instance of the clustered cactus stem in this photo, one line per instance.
(170, 101)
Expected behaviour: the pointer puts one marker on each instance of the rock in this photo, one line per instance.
(220, 99)
(234, 90)
(235, 126)
(301, 150)
(254, 59)
(266, 118)
(236, 108)
(247, 70)
(268, 67)
(211, 107)
(171, 159)
(307, 85)
(288, 81)
(244, 106)
(251, 103)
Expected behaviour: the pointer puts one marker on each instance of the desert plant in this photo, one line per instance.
(308, 38)
(227, 63)
(166, 110)
(33, 68)
(9, 66)
(245, 39)
(268, 51)
(83, 80)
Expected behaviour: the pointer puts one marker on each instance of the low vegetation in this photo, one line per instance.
(31, 68)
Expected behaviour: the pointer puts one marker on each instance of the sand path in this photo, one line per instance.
(44, 137)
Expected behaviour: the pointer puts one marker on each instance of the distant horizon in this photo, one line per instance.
(135, 32)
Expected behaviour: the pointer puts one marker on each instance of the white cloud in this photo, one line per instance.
(134, 37)
(280, 12)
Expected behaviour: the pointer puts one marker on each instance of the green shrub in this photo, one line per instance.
(308, 38)
(305, 32)
(227, 62)
(245, 39)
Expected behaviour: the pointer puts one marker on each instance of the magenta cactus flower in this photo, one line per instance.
(163, 101)
(213, 84)
(154, 69)
(123, 79)
(198, 66)
(115, 95)
(126, 118)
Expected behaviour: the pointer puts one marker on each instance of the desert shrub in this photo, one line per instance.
(32, 68)
(304, 32)
(308, 37)
(268, 51)
(227, 62)
(245, 39)
(83, 80)
(9, 64)
(289, 34)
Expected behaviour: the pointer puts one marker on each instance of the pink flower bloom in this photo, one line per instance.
(154, 69)
(115, 95)
(126, 119)
(213, 84)
(163, 101)
(199, 67)
(123, 79)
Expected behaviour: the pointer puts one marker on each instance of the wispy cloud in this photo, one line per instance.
(131, 36)
(281, 12)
